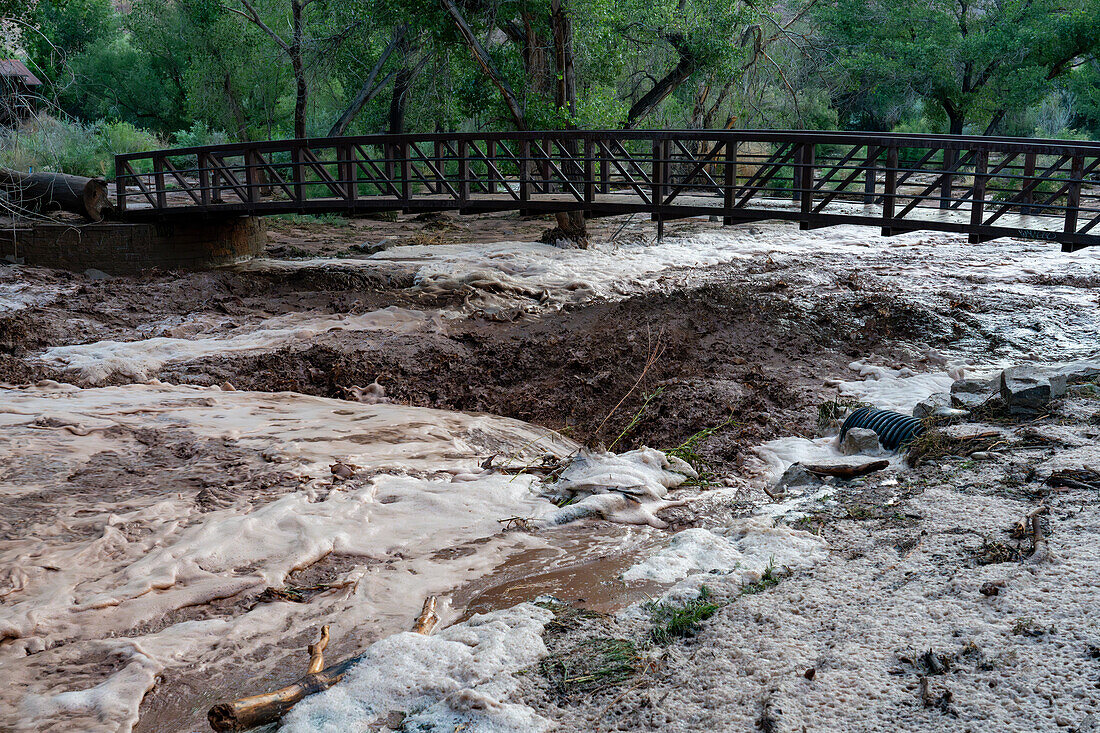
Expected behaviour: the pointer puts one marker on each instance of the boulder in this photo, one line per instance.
(860, 440)
(1027, 389)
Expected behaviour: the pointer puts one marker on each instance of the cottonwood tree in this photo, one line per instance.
(973, 60)
(291, 17)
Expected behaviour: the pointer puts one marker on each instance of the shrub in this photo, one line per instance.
(83, 149)
(199, 134)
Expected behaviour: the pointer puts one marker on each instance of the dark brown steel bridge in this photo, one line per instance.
(984, 187)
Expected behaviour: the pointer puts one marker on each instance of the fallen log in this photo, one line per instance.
(41, 192)
(846, 470)
(256, 710)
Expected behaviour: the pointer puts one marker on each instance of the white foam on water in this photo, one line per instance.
(740, 553)
(458, 679)
(101, 565)
(897, 389)
(143, 358)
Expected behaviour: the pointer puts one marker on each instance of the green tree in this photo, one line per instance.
(972, 61)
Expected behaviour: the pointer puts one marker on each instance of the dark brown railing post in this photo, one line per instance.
(524, 164)
(660, 154)
(439, 167)
(729, 181)
(463, 172)
(889, 189)
(605, 170)
(252, 174)
(120, 184)
(796, 166)
(297, 174)
(658, 175)
(390, 164)
(345, 171)
(806, 182)
(589, 171)
(872, 172)
(401, 152)
(977, 205)
(204, 179)
(947, 191)
(158, 178)
(1073, 195)
(1029, 173)
(548, 155)
(490, 163)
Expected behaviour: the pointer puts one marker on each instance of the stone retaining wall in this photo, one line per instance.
(119, 248)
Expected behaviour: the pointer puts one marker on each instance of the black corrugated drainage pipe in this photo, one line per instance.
(894, 429)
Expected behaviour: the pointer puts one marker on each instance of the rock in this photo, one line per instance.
(1079, 371)
(992, 588)
(797, 477)
(94, 274)
(860, 440)
(1027, 389)
(342, 470)
(969, 393)
(968, 400)
(370, 249)
(932, 405)
(973, 386)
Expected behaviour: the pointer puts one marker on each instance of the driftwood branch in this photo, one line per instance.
(428, 618)
(846, 471)
(256, 710)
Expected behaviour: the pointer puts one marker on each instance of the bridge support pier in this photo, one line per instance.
(123, 248)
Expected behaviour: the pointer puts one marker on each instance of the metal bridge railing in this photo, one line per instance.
(983, 187)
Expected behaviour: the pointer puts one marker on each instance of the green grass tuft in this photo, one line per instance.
(768, 579)
(591, 665)
(671, 620)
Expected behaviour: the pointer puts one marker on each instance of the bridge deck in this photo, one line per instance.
(983, 187)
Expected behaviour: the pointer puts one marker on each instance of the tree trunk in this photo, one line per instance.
(486, 63)
(566, 86)
(402, 86)
(53, 191)
(666, 86)
(369, 90)
(956, 123)
(660, 91)
(301, 90)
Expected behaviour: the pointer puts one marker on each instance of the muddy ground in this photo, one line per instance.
(749, 342)
(753, 347)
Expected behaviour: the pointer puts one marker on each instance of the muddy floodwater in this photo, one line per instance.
(199, 470)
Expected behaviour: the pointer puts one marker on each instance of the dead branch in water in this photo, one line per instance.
(256, 710)
(427, 619)
(846, 471)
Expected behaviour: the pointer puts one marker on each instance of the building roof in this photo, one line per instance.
(11, 67)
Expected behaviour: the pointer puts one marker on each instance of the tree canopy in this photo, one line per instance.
(253, 69)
